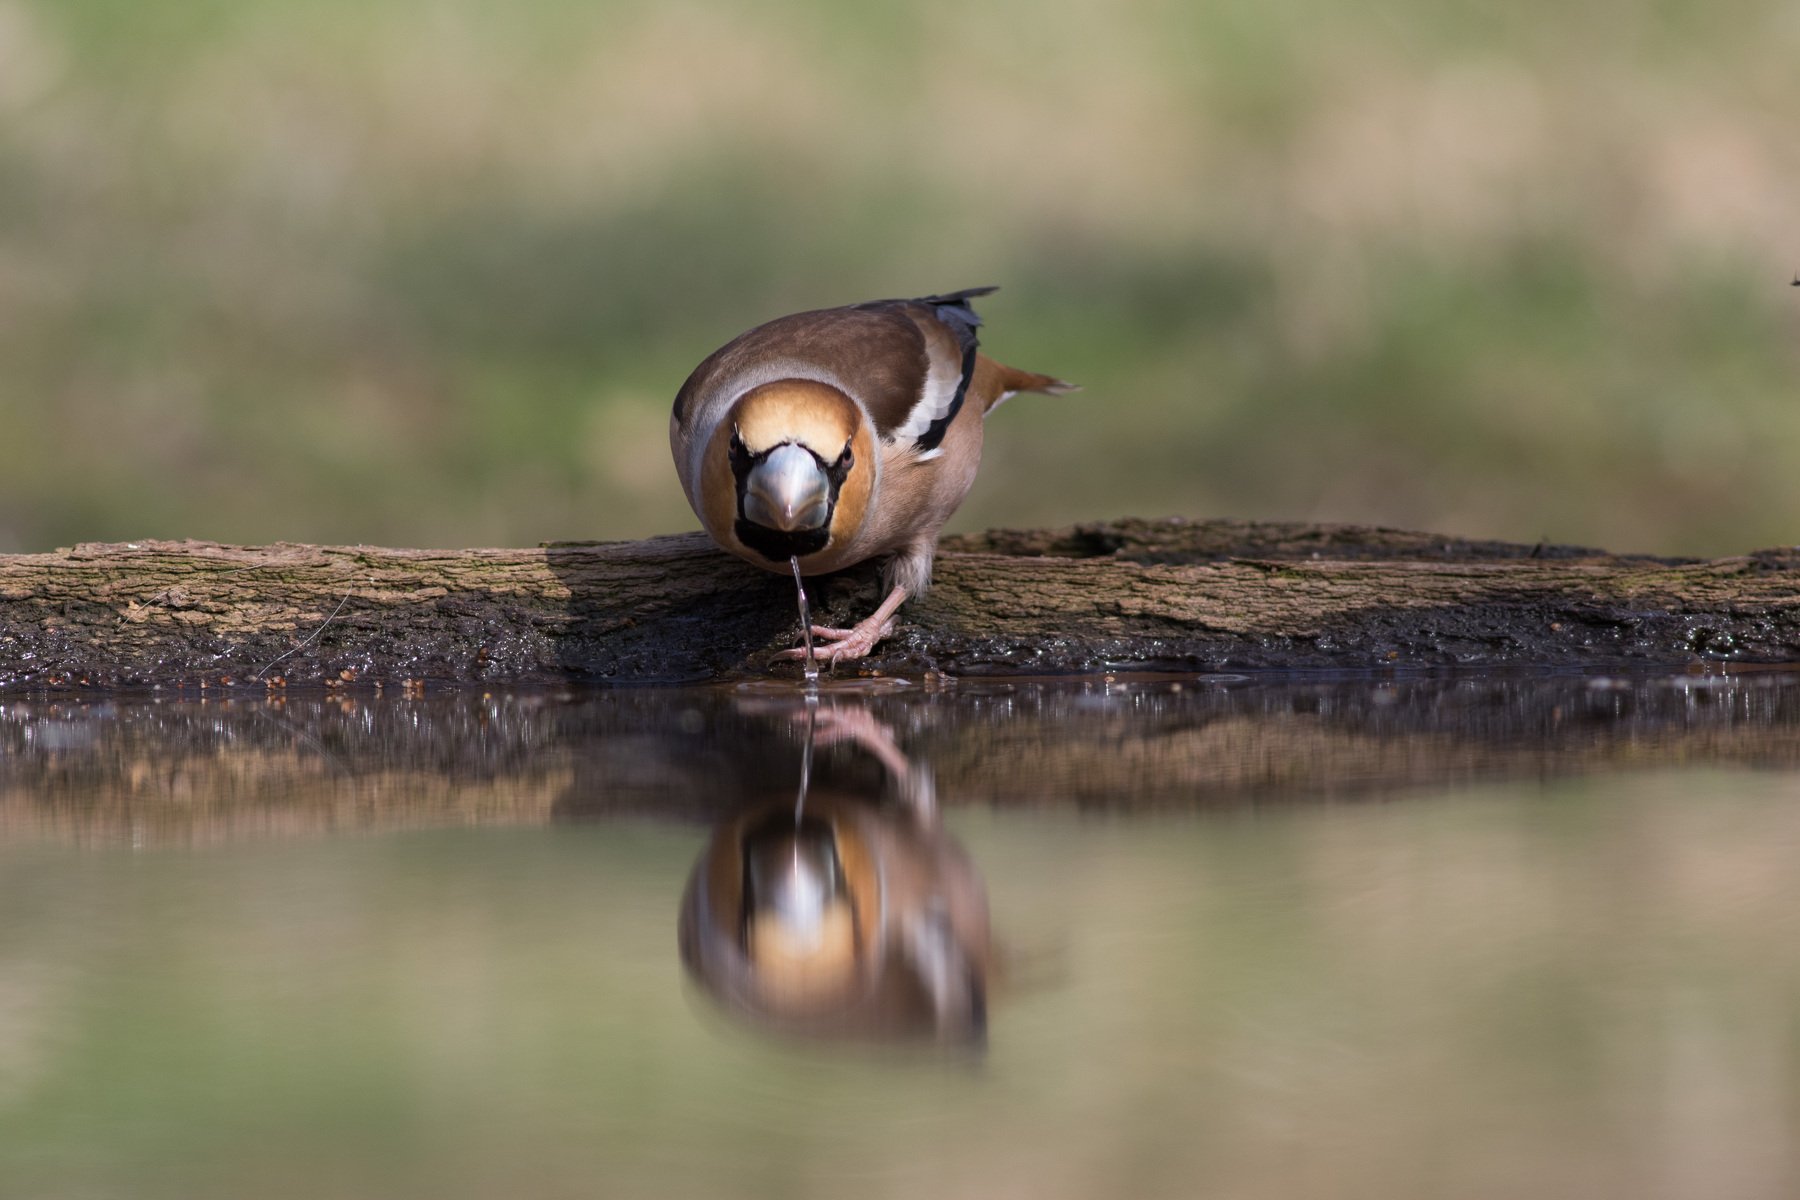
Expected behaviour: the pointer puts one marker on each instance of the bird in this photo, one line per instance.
(828, 438)
(846, 912)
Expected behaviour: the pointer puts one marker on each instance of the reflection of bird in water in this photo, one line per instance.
(843, 915)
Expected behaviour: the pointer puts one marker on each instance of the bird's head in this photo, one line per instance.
(800, 462)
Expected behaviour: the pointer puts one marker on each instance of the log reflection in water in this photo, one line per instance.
(184, 770)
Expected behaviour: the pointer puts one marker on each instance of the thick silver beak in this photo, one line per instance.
(787, 491)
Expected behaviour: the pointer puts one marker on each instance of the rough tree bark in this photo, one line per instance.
(1125, 595)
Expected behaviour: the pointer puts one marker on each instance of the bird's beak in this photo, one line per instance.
(788, 491)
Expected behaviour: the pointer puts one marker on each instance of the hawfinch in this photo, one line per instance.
(847, 914)
(850, 921)
(827, 438)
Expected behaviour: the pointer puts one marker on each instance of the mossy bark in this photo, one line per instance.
(1126, 595)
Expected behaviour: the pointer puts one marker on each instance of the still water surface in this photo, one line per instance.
(1494, 937)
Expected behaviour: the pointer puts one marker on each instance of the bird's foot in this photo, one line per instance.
(856, 641)
(837, 645)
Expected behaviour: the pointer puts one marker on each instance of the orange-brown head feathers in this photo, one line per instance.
(816, 415)
(789, 471)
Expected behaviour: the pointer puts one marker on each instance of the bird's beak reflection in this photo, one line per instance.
(799, 930)
(841, 915)
(788, 491)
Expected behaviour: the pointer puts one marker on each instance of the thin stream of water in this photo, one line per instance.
(811, 667)
(806, 758)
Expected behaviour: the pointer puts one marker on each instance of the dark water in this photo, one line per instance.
(1495, 937)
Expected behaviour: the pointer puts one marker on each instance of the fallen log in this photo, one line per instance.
(1122, 595)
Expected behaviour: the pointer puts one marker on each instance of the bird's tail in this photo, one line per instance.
(1010, 381)
(1016, 380)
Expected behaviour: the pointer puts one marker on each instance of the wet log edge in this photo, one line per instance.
(1119, 595)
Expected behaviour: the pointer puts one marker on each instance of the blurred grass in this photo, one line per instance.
(429, 273)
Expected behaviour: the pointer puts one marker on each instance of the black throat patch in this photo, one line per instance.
(777, 545)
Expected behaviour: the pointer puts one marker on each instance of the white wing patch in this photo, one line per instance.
(943, 375)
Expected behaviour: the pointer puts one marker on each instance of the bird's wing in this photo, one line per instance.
(908, 361)
(946, 326)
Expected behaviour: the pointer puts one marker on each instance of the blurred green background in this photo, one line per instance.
(429, 273)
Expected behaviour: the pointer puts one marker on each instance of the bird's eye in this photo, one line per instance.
(738, 453)
(840, 470)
